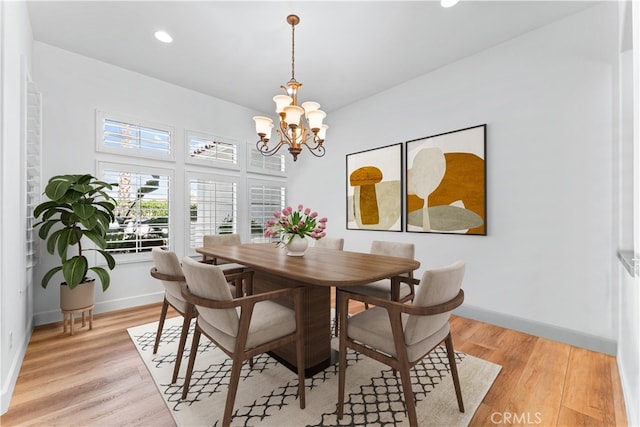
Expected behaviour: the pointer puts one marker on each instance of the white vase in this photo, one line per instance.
(298, 246)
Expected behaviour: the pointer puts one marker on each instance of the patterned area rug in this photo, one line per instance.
(267, 393)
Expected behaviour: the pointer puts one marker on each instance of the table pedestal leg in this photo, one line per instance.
(316, 312)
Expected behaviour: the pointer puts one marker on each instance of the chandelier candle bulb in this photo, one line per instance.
(293, 131)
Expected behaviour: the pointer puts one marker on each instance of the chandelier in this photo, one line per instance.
(292, 130)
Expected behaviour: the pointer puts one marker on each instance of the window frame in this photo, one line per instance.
(217, 177)
(282, 154)
(218, 164)
(101, 116)
(136, 257)
(262, 181)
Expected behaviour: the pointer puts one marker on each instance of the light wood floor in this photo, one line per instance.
(97, 379)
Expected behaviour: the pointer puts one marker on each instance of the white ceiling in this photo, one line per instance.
(241, 51)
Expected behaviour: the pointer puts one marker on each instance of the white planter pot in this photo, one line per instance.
(298, 246)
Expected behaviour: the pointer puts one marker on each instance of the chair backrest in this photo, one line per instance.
(397, 249)
(220, 239)
(166, 262)
(330, 243)
(437, 286)
(209, 240)
(208, 281)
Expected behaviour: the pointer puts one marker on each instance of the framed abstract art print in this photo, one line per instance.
(446, 183)
(374, 189)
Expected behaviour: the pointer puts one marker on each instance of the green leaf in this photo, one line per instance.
(43, 207)
(74, 270)
(89, 223)
(111, 262)
(103, 275)
(68, 237)
(45, 228)
(47, 277)
(96, 238)
(57, 187)
(84, 210)
(51, 243)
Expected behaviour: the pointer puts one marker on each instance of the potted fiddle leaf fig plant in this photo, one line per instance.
(79, 207)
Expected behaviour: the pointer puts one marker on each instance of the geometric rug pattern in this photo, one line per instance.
(268, 392)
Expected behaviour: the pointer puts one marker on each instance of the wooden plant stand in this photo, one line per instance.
(69, 317)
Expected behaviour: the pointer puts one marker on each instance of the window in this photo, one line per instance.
(265, 198)
(272, 165)
(212, 207)
(34, 127)
(133, 137)
(211, 151)
(142, 210)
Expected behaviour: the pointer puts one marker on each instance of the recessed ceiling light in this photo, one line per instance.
(163, 36)
(448, 3)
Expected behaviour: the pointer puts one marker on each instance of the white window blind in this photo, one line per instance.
(132, 137)
(142, 211)
(258, 162)
(34, 138)
(207, 149)
(212, 208)
(265, 199)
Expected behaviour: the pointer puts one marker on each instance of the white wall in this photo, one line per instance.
(545, 266)
(15, 301)
(73, 86)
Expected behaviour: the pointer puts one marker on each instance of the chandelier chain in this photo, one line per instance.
(293, 51)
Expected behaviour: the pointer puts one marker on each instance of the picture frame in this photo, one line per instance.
(446, 183)
(374, 182)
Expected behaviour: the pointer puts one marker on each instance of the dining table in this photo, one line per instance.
(317, 271)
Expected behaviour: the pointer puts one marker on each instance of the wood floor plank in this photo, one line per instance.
(96, 378)
(593, 398)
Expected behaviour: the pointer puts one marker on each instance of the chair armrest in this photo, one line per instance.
(242, 302)
(405, 279)
(395, 287)
(166, 277)
(393, 306)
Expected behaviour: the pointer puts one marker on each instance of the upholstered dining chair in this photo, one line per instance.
(241, 327)
(399, 334)
(169, 271)
(209, 240)
(383, 288)
(330, 243)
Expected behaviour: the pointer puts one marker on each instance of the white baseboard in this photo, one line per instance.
(544, 330)
(14, 370)
(53, 316)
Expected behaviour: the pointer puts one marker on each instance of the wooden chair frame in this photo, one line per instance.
(240, 354)
(401, 362)
(189, 313)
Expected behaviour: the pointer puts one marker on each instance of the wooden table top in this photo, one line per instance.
(319, 266)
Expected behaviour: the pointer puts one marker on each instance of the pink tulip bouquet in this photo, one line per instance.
(290, 223)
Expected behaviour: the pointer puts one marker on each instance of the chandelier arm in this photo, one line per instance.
(264, 149)
(318, 149)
